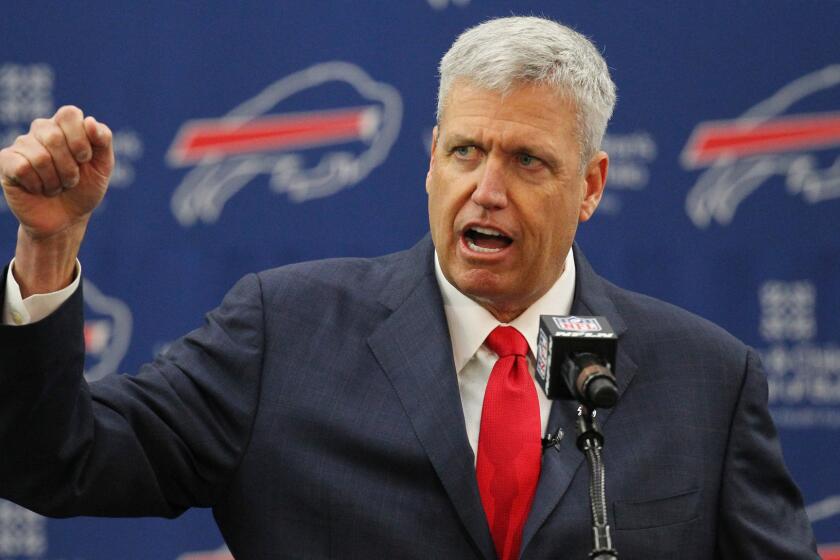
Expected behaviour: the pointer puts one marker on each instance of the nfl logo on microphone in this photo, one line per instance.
(578, 324)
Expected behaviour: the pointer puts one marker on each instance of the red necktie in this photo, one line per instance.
(509, 448)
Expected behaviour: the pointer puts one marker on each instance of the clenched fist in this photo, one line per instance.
(53, 178)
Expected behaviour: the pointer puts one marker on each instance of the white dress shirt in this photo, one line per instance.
(19, 311)
(470, 324)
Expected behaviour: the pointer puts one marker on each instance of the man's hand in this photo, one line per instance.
(53, 178)
(57, 174)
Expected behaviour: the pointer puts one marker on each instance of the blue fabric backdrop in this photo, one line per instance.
(724, 191)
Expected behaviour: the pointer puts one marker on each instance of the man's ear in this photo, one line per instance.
(595, 178)
(432, 156)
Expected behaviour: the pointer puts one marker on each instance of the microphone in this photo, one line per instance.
(552, 439)
(575, 357)
(575, 360)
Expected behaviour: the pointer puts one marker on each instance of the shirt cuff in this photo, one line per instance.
(18, 311)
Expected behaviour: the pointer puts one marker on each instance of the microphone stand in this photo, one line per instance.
(590, 441)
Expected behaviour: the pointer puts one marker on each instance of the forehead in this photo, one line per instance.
(525, 112)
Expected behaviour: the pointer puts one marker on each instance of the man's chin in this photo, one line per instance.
(487, 289)
(481, 283)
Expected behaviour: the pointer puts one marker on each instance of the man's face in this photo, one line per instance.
(506, 193)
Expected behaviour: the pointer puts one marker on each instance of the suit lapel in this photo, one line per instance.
(560, 465)
(413, 347)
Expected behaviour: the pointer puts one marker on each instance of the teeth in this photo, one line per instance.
(487, 231)
(478, 249)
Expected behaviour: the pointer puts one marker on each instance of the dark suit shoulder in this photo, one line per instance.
(356, 278)
(343, 295)
(655, 325)
(666, 319)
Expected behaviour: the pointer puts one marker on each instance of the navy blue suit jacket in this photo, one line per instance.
(317, 412)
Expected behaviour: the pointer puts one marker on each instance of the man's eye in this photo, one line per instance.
(527, 160)
(464, 151)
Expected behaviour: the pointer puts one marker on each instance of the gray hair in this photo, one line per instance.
(501, 53)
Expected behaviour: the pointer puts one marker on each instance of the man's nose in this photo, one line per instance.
(491, 188)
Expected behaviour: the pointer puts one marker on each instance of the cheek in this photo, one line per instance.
(445, 201)
(551, 223)
(439, 222)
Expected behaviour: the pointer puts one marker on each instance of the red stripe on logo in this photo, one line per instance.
(225, 137)
(829, 552)
(713, 141)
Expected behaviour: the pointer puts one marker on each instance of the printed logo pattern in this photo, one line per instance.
(803, 375)
(128, 149)
(228, 153)
(631, 155)
(788, 311)
(107, 332)
(443, 4)
(22, 532)
(822, 510)
(26, 93)
(742, 155)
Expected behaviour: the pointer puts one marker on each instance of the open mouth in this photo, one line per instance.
(486, 240)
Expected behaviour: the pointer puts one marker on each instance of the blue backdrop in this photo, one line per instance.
(254, 134)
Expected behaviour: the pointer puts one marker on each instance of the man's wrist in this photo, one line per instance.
(46, 265)
(19, 311)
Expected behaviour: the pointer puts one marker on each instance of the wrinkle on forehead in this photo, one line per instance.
(502, 96)
(518, 121)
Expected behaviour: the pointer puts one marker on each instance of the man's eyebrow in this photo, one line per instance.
(524, 148)
(457, 138)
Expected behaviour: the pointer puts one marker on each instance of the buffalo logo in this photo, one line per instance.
(221, 554)
(743, 154)
(829, 551)
(819, 511)
(107, 332)
(578, 324)
(258, 137)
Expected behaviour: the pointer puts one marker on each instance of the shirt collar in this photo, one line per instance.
(469, 323)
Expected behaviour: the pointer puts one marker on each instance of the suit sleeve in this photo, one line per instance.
(761, 510)
(153, 444)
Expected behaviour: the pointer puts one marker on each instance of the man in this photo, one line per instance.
(417, 433)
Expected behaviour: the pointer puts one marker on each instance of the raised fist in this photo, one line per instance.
(56, 175)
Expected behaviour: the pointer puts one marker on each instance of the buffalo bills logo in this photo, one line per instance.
(825, 509)
(770, 139)
(829, 551)
(307, 154)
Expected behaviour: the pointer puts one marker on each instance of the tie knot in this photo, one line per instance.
(507, 341)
